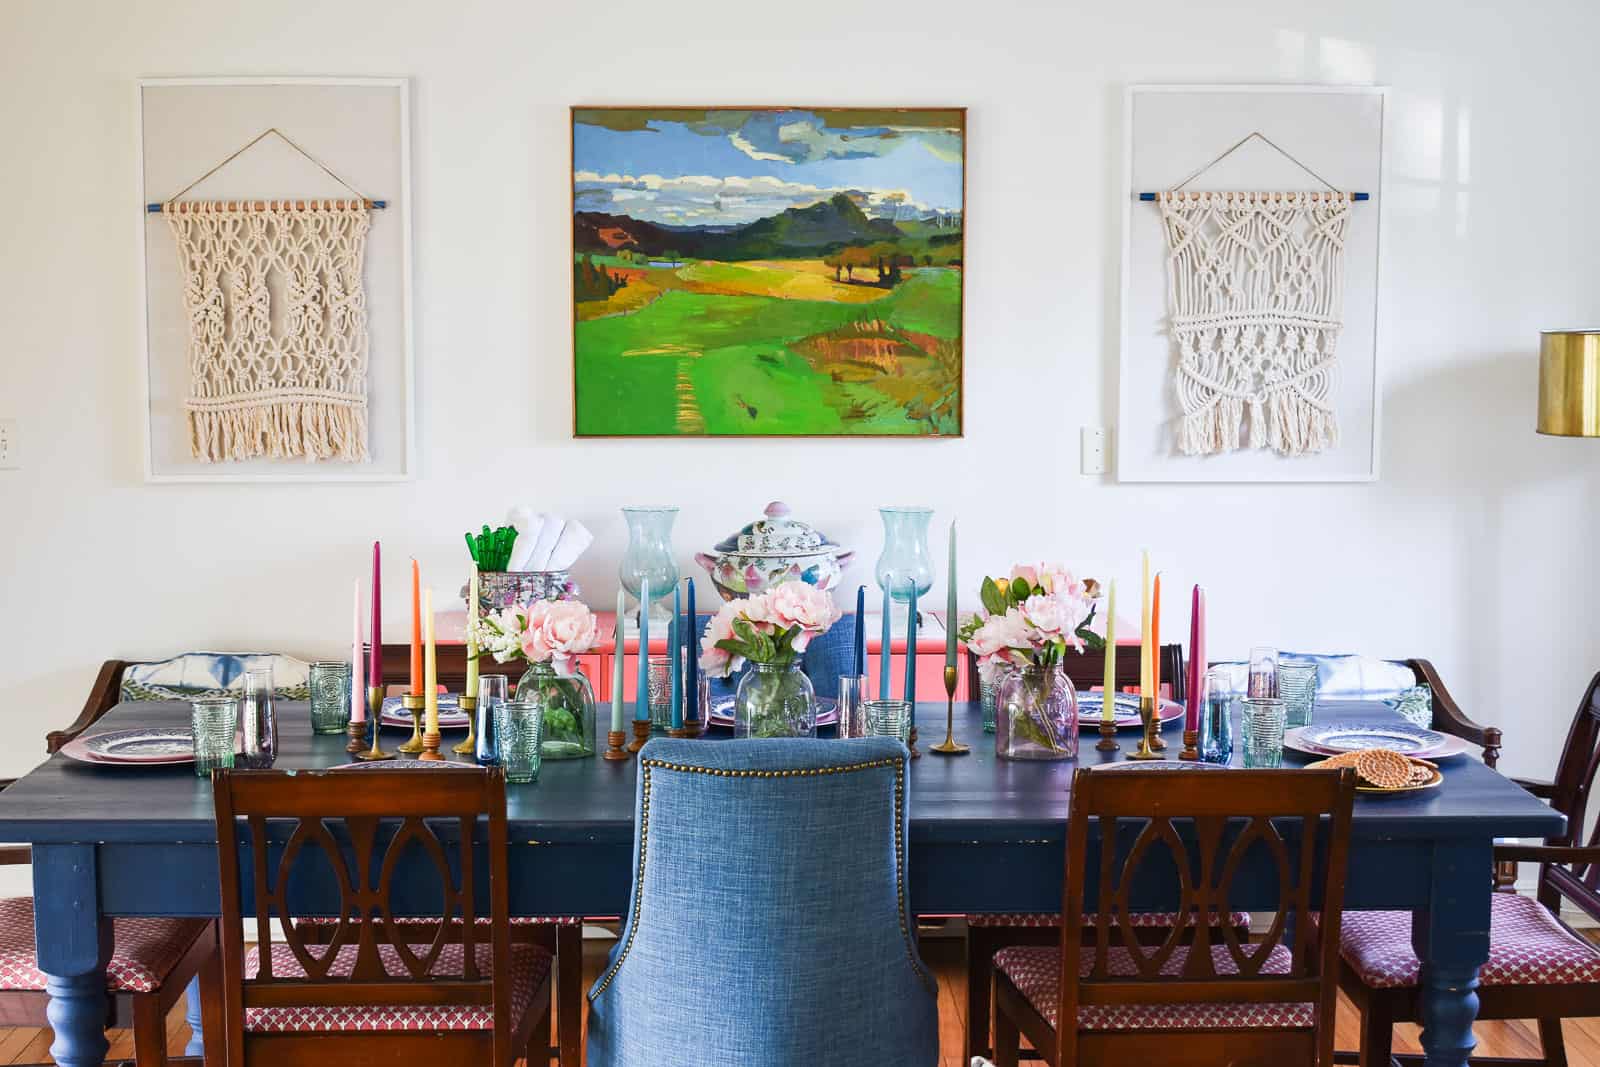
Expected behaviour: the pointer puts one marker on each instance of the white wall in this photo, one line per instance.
(1470, 550)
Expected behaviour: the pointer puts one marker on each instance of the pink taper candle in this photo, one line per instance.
(358, 688)
(1197, 661)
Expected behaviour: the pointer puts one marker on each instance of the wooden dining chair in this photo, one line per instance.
(151, 963)
(1538, 968)
(1204, 1000)
(988, 934)
(371, 994)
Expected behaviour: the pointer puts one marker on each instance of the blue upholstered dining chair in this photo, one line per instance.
(768, 922)
(826, 658)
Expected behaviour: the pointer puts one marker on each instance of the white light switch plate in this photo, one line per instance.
(1094, 450)
(10, 445)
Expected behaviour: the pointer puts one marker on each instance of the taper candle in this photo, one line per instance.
(911, 650)
(883, 652)
(416, 629)
(1197, 661)
(675, 661)
(616, 664)
(859, 648)
(1155, 640)
(691, 656)
(471, 688)
(1108, 709)
(375, 663)
(1144, 629)
(358, 682)
(950, 604)
(430, 677)
(641, 704)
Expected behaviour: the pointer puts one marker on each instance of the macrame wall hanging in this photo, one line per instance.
(277, 315)
(1255, 290)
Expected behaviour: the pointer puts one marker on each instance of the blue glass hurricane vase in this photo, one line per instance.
(905, 559)
(649, 557)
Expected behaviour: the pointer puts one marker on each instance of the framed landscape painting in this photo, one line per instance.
(783, 272)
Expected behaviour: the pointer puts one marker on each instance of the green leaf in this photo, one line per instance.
(1019, 591)
(994, 602)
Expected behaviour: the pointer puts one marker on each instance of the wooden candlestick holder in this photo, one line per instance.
(641, 734)
(469, 745)
(430, 746)
(614, 749)
(357, 733)
(1191, 745)
(1108, 737)
(911, 742)
(414, 703)
(374, 711)
(690, 729)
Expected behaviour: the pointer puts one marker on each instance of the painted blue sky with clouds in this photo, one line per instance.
(735, 167)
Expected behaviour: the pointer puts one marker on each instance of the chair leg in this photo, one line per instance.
(980, 975)
(212, 1022)
(1551, 1043)
(539, 1042)
(1007, 1038)
(149, 1031)
(1377, 1032)
(569, 994)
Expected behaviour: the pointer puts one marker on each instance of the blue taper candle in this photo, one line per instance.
(860, 648)
(675, 660)
(911, 652)
(691, 639)
(883, 652)
(641, 707)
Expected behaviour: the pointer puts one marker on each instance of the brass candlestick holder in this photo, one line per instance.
(469, 746)
(1191, 745)
(641, 734)
(374, 710)
(414, 703)
(950, 746)
(614, 749)
(1147, 717)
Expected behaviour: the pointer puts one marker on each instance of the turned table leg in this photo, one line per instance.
(73, 943)
(1451, 938)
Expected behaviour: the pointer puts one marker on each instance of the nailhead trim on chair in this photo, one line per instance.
(650, 765)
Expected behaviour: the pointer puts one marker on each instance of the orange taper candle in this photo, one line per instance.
(1155, 641)
(416, 630)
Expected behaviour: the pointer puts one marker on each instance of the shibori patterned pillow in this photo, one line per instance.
(1339, 676)
(198, 674)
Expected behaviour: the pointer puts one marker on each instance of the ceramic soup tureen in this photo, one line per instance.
(770, 551)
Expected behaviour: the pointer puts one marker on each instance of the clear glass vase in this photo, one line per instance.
(1036, 715)
(775, 700)
(905, 560)
(568, 701)
(649, 556)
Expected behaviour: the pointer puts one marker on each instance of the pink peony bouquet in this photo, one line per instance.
(770, 627)
(1031, 617)
(541, 632)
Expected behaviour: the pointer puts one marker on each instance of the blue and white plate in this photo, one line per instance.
(136, 747)
(401, 765)
(451, 717)
(722, 711)
(1353, 735)
(1159, 765)
(1125, 710)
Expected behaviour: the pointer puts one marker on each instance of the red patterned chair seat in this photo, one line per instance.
(145, 952)
(1527, 946)
(1036, 972)
(530, 965)
(542, 920)
(1147, 919)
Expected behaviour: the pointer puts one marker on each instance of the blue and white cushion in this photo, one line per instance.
(197, 674)
(1339, 677)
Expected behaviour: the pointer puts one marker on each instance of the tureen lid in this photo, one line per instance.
(776, 534)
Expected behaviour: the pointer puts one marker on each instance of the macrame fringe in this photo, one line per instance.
(1290, 425)
(312, 430)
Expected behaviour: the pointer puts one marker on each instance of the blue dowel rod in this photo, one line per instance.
(1353, 196)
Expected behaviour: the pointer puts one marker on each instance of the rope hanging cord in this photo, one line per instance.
(1255, 288)
(277, 318)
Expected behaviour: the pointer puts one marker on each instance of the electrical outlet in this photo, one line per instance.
(10, 446)
(1094, 450)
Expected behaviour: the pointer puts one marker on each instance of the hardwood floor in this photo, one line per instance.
(1519, 1039)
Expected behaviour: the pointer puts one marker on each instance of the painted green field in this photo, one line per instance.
(769, 347)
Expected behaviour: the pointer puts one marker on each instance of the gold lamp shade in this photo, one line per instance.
(1569, 383)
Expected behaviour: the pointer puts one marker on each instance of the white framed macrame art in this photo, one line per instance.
(1250, 284)
(277, 279)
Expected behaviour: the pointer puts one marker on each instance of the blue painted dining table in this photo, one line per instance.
(986, 835)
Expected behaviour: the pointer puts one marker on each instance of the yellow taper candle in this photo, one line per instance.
(430, 668)
(471, 688)
(1146, 659)
(1108, 710)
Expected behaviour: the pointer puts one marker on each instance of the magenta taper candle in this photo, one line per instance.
(1197, 661)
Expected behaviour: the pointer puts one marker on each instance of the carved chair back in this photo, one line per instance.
(1210, 825)
(367, 829)
(1579, 882)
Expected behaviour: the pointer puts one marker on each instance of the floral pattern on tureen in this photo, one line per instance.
(770, 551)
